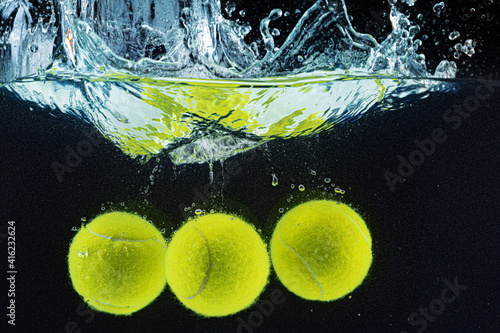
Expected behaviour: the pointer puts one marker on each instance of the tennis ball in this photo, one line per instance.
(217, 265)
(321, 250)
(117, 263)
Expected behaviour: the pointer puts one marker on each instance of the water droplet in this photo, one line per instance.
(84, 219)
(80, 254)
(103, 208)
(275, 32)
(281, 210)
(274, 182)
(302, 188)
(198, 212)
(292, 186)
(313, 172)
(288, 13)
(300, 58)
(163, 231)
(74, 229)
(288, 200)
(420, 16)
(425, 37)
(328, 180)
(243, 12)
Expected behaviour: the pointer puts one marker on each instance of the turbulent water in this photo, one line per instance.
(178, 76)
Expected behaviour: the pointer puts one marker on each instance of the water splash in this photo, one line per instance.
(178, 76)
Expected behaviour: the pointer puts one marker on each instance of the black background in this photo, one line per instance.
(441, 223)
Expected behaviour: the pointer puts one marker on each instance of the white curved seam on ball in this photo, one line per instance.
(209, 268)
(369, 243)
(118, 306)
(123, 239)
(302, 259)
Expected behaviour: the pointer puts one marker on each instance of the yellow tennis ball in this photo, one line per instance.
(117, 263)
(321, 250)
(217, 265)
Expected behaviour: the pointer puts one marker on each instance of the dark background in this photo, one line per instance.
(439, 225)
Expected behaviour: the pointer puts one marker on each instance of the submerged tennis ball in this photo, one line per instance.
(117, 263)
(321, 250)
(217, 265)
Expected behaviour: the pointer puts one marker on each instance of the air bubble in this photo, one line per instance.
(33, 47)
(274, 182)
(313, 172)
(438, 8)
(281, 210)
(275, 32)
(74, 229)
(454, 35)
(300, 58)
(339, 190)
(231, 7)
(302, 188)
